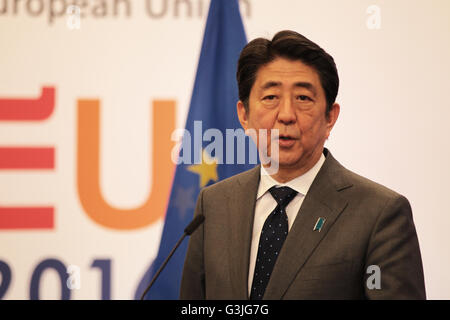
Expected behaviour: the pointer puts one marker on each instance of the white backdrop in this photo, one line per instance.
(395, 81)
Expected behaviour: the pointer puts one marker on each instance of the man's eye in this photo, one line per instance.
(270, 97)
(303, 98)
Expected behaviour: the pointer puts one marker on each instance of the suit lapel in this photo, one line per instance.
(241, 207)
(322, 201)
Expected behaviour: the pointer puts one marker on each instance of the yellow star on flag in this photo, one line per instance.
(207, 170)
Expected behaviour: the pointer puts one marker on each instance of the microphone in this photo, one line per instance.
(195, 223)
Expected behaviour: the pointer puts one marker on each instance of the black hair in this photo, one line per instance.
(290, 45)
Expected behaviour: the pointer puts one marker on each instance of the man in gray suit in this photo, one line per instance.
(312, 229)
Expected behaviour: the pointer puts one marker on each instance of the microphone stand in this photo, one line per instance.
(197, 221)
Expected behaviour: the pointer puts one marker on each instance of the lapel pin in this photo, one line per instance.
(319, 224)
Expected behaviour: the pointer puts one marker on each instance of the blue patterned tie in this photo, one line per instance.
(273, 234)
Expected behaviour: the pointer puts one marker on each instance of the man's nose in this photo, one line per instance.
(286, 113)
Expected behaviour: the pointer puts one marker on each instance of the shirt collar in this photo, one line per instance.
(300, 184)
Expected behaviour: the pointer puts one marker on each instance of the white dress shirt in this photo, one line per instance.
(265, 204)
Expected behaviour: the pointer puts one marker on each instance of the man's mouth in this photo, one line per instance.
(286, 137)
(286, 140)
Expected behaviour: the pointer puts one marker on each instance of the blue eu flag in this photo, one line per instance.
(213, 107)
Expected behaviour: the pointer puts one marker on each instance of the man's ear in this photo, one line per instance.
(242, 114)
(332, 117)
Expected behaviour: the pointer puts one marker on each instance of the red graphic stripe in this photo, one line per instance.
(28, 109)
(26, 218)
(27, 158)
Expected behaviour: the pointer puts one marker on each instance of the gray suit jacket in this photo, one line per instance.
(366, 224)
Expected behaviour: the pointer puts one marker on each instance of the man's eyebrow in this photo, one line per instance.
(301, 84)
(306, 85)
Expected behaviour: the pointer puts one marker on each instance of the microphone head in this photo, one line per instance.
(198, 220)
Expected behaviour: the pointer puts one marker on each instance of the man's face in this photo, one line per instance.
(288, 96)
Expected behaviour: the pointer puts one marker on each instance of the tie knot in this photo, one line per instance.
(282, 195)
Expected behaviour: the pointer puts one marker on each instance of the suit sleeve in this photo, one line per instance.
(394, 248)
(193, 279)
